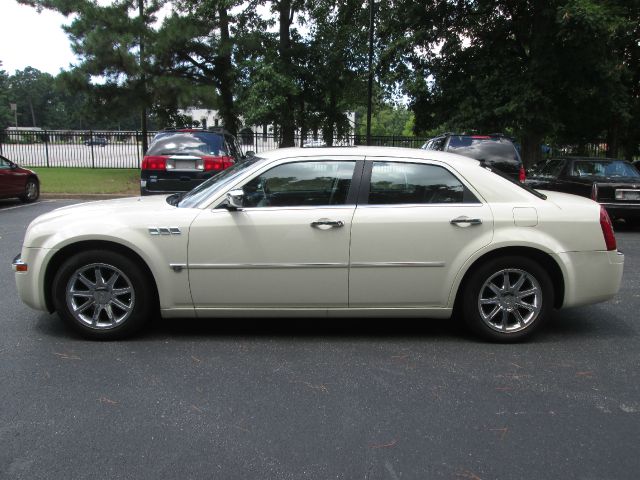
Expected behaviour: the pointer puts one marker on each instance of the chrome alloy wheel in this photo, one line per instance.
(510, 300)
(31, 191)
(100, 296)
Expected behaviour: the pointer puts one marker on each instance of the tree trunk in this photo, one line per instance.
(33, 114)
(284, 49)
(531, 151)
(303, 122)
(224, 69)
(613, 140)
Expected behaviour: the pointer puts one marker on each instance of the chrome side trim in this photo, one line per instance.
(230, 266)
(203, 266)
(396, 264)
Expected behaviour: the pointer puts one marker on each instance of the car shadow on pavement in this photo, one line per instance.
(306, 328)
(565, 325)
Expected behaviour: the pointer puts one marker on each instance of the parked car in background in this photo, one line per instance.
(180, 159)
(496, 151)
(615, 184)
(326, 232)
(17, 182)
(99, 141)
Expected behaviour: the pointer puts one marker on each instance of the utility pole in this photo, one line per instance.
(14, 109)
(370, 83)
(143, 80)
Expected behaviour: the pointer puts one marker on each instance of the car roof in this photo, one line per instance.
(370, 153)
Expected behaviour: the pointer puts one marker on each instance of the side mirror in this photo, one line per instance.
(249, 154)
(13, 166)
(235, 200)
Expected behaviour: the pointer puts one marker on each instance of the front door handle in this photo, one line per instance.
(325, 222)
(461, 221)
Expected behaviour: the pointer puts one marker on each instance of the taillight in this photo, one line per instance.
(154, 163)
(607, 230)
(217, 163)
(522, 176)
(594, 191)
(227, 162)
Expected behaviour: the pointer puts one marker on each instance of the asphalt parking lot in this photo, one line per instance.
(305, 399)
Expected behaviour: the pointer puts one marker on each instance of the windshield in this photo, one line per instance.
(216, 183)
(595, 168)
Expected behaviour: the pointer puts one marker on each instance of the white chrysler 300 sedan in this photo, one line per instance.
(339, 232)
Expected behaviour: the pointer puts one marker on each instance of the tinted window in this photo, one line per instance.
(188, 143)
(4, 163)
(393, 183)
(301, 184)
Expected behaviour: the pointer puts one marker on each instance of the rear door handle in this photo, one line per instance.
(465, 220)
(325, 222)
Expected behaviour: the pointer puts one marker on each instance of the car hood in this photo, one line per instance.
(106, 218)
(107, 207)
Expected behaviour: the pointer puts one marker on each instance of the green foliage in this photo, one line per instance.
(387, 120)
(6, 115)
(556, 70)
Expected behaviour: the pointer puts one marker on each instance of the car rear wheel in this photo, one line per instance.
(102, 295)
(31, 191)
(507, 299)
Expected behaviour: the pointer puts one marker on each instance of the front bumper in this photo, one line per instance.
(30, 281)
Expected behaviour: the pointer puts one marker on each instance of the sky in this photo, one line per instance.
(32, 39)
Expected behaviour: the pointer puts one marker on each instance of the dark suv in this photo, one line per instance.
(495, 150)
(180, 159)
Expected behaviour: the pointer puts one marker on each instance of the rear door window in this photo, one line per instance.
(414, 183)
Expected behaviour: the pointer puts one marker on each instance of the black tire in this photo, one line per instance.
(31, 191)
(119, 303)
(509, 314)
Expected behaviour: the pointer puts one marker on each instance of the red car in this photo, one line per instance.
(18, 182)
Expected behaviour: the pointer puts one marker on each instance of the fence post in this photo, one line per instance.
(93, 158)
(138, 148)
(46, 147)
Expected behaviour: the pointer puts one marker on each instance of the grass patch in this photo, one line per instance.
(89, 180)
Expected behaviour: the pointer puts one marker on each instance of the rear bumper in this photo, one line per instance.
(591, 277)
(159, 182)
(619, 210)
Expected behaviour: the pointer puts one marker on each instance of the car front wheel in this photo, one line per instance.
(102, 294)
(506, 299)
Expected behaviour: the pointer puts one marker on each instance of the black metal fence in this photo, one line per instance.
(123, 149)
(85, 149)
